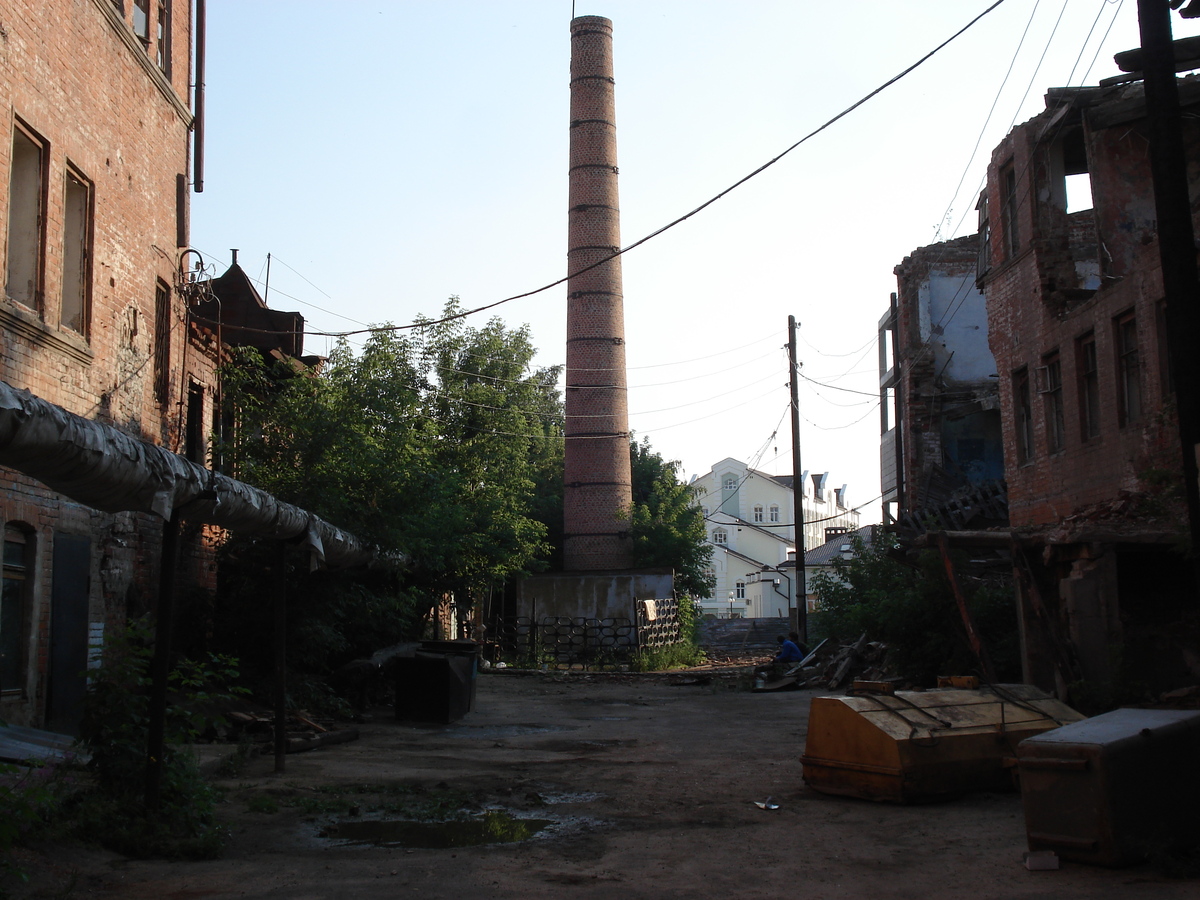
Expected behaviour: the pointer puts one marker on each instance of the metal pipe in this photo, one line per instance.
(198, 103)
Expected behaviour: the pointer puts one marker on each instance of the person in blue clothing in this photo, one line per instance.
(791, 651)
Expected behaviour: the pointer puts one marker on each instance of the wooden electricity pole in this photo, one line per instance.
(801, 621)
(1176, 241)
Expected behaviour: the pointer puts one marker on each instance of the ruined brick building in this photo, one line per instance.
(941, 453)
(96, 319)
(1076, 324)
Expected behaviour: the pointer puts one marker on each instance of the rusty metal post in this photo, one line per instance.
(1176, 244)
(280, 641)
(160, 663)
(985, 664)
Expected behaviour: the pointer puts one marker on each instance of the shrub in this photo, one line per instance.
(115, 730)
(912, 609)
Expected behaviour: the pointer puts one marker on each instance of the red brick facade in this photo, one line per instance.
(1082, 291)
(1091, 445)
(598, 491)
(93, 216)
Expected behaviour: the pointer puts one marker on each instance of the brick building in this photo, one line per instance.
(1075, 312)
(102, 316)
(941, 453)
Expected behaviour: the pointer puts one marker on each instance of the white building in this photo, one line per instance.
(750, 519)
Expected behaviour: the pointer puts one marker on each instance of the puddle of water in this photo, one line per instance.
(490, 828)
(570, 797)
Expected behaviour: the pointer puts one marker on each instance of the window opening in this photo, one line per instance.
(26, 218)
(1089, 386)
(194, 448)
(774, 513)
(1008, 211)
(739, 590)
(1053, 397)
(720, 536)
(77, 253)
(1129, 382)
(162, 343)
(1023, 414)
(141, 21)
(162, 40)
(18, 547)
(758, 513)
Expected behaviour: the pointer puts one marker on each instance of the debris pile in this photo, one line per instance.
(833, 666)
(303, 731)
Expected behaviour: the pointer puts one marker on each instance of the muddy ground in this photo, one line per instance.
(649, 787)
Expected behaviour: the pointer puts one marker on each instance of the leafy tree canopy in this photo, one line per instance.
(667, 526)
(433, 442)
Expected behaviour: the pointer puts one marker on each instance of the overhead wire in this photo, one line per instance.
(683, 218)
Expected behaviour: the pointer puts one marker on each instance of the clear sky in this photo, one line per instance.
(391, 154)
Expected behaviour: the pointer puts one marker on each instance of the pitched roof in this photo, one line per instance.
(832, 549)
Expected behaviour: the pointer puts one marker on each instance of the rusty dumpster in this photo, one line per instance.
(914, 746)
(1115, 789)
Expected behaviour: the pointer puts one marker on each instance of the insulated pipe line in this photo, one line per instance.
(104, 468)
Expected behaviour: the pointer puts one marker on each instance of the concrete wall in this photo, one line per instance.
(594, 595)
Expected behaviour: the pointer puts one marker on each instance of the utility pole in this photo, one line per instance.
(1176, 241)
(801, 619)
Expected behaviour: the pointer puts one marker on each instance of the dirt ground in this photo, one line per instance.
(650, 789)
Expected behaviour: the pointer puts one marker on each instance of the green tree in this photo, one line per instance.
(666, 524)
(432, 443)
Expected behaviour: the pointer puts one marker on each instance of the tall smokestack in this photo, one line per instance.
(597, 494)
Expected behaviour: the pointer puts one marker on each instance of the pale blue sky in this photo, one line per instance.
(390, 154)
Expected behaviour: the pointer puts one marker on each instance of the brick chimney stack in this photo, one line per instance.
(597, 491)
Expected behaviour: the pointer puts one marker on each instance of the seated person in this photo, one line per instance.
(790, 653)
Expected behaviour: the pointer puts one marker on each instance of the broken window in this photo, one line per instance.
(1089, 386)
(77, 253)
(1023, 416)
(984, 262)
(141, 21)
(1052, 397)
(162, 40)
(1129, 380)
(26, 219)
(1008, 211)
(18, 557)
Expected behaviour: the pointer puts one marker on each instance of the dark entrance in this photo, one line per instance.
(68, 632)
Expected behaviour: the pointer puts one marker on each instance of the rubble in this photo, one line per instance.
(838, 665)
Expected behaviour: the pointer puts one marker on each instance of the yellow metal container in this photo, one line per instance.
(924, 745)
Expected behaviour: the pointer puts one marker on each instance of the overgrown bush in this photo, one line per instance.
(685, 653)
(912, 609)
(114, 731)
(29, 798)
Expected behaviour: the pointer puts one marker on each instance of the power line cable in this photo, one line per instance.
(424, 323)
